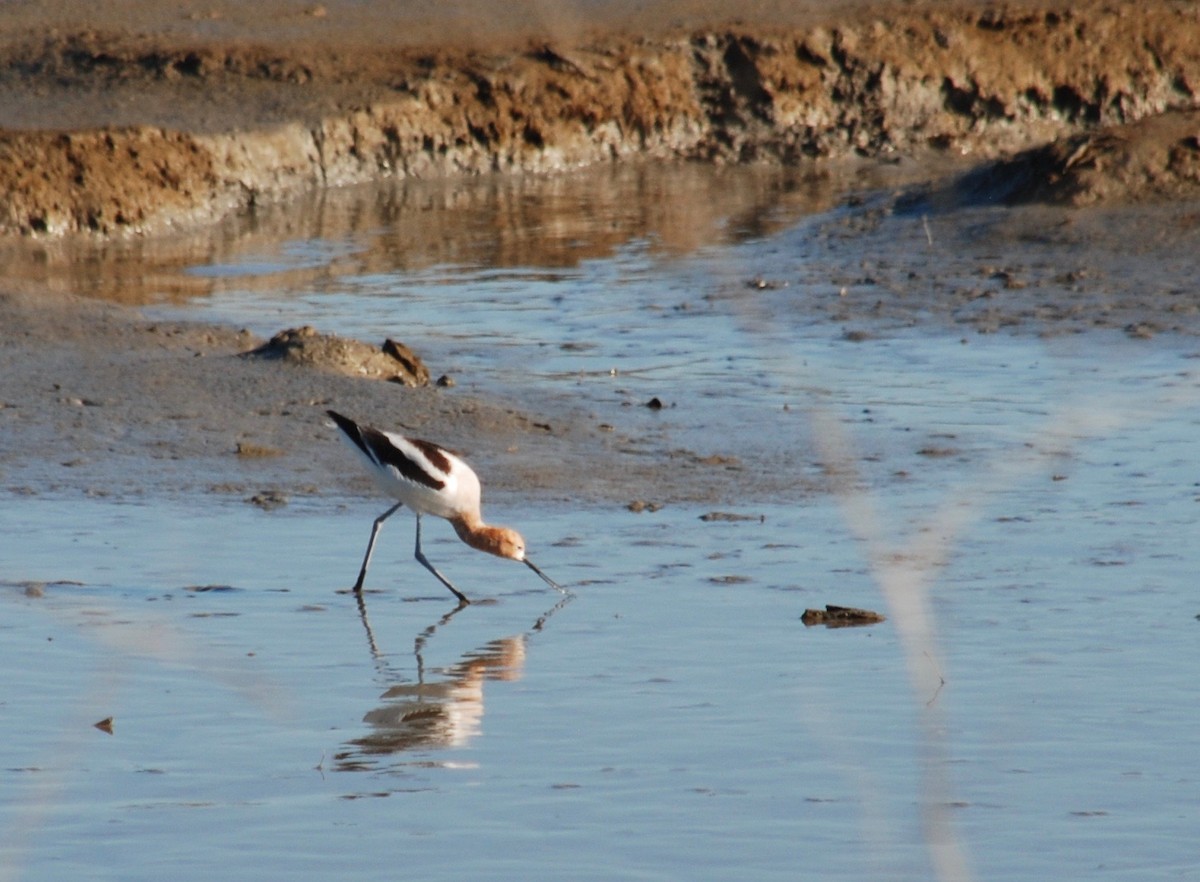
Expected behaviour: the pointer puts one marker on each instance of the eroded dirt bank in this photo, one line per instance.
(109, 130)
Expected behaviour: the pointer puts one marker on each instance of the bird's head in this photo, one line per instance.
(502, 542)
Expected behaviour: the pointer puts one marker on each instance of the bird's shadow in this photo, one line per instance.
(442, 708)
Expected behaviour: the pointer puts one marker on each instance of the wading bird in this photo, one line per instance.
(430, 480)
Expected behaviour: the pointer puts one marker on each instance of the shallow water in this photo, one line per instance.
(674, 717)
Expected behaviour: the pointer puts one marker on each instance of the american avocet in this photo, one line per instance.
(429, 480)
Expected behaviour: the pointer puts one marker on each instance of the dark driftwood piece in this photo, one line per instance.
(841, 616)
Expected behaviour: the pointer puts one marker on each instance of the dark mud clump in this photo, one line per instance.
(841, 617)
(393, 362)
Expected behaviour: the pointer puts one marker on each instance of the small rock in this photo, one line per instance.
(268, 500)
(936, 452)
(413, 366)
(761, 284)
(718, 459)
(1009, 280)
(732, 516)
(640, 505)
(256, 451)
(1140, 330)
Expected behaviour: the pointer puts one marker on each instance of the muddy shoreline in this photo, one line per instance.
(130, 152)
(98, 399)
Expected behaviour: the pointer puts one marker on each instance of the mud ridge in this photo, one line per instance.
(1155, 158)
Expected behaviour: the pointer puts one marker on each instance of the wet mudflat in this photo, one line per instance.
(1038, 483)
(676, 707)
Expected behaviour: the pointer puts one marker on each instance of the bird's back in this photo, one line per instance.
(424, 476)
(453, 490)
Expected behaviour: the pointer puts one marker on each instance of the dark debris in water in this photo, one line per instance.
(935, 452)
(269, 500)
(729, 580)
(841, 617)
(732, 516)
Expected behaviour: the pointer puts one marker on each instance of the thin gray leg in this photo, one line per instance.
(462, 598)
(362, 574)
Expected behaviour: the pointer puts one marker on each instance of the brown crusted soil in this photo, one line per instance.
(184, 116)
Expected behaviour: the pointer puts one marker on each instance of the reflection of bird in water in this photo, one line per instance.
(444, 713)
(430, 480)
(447, 713)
